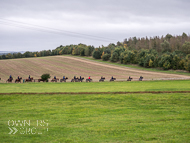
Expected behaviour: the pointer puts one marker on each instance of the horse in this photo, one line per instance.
(53, 79)
(18, 80)
(88, 80)
(74, 80)
(102, 78)
(80, 79)
(129, 79)
(9, 80)
(112, 79)
(141, 78)
(64, 79)
(29, 80)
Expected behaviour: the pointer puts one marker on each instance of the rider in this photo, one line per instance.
(80, 77)
(18, 77)
(74, 77)
(112, 77)
(89, 77)
(29, 77)
(63, 77)
(10, 77)
(54, 77)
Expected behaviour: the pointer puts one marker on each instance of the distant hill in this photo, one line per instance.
(6, 52)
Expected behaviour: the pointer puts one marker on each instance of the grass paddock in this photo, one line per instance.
(176, 85)
(95, 117)
(98, 118)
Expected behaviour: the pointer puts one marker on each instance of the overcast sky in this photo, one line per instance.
(35, 25)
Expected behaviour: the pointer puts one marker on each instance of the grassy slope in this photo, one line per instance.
(98, 118)
(136, 67)
(181, 85)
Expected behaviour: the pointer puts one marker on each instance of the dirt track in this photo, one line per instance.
(70, 66)
(137, 92)
(127, 69)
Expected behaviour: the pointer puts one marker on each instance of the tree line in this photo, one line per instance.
(166, 52)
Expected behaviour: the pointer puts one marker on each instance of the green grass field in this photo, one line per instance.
(97, 118)
(181, 85)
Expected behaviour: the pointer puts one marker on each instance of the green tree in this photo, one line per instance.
(168, 36)
(186, 48)
(45, 77)
(187, 63)
(175, 62)
(166, 65)
(182, 64)
(128, 57)
(114, 57)
(150, 63)
(9, 56)
(97, 54)
(165, 46)
(106, 57)
(82, 52)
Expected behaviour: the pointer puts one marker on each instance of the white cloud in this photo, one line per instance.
(102, 18)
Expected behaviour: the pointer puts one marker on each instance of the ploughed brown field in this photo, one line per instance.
(69, 66)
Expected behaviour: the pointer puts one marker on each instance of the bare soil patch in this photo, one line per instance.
(60, 66)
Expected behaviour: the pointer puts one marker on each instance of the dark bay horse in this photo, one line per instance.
(129, 79)
(64, 79)
(88, 80)
(53, 79)
(80, 79)
(9, 80)
(74, 80)
(112, 79)
(29, 80)
(18, 80)
(102, 78)
(141, 78)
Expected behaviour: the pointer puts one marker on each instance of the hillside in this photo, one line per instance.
(70, 66)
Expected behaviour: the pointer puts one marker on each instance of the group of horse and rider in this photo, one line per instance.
(80, 79)
(75, 79)
(18, 79)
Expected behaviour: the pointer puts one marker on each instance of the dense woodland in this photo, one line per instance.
(169, 52)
